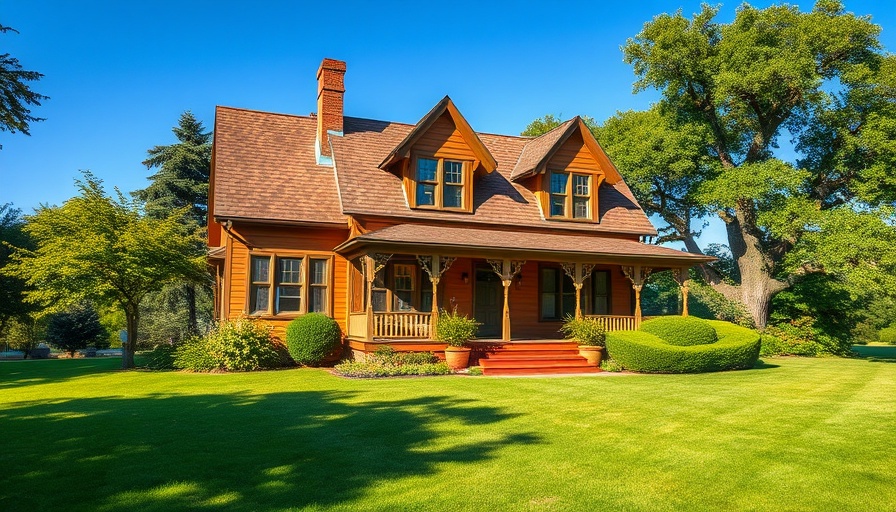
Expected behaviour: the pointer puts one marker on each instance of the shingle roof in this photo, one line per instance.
(265, 169)
(534, 152)
(505, 241)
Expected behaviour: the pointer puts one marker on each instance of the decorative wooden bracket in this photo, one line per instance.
(435, 266)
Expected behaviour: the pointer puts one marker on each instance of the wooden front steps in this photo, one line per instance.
(533, 358)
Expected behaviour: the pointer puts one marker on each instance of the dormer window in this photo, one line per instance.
(441, 183)
(571, 195)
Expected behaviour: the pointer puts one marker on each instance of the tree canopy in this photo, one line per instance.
(106, 251)
(818, 82)
(16, 95)
(819, 77)
(13, 305)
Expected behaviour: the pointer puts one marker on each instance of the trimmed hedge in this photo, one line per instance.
(683, 331)
(312, 338)
(737, 348)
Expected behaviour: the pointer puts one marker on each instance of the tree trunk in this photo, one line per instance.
(757, 286)
(191, 305)
(132, 316)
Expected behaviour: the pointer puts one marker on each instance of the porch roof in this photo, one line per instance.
(489, 243)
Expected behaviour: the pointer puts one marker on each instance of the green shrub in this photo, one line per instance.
(586, 331)
(887, 335)
(610, 365)
(240, 345)
(737, 348)
(681, 330)
(196, 355)
(160, 358)
(787, 345)
(800, 337)
(389, 355)
(454, 329)
(312, 338)
(386, 362)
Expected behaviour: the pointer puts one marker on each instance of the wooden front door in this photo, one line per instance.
(488, 302)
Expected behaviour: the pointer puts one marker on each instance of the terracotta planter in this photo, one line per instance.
(592, 354)
(457, 358)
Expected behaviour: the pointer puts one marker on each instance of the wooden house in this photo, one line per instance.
(380, 224)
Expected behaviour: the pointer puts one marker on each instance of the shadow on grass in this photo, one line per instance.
(876, 353)
(762, 364)
(238, 451)
(15, 374)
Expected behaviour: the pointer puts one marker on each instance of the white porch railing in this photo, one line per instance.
(617, 322)
(402, 324)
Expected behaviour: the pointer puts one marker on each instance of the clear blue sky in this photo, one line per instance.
(119, 73)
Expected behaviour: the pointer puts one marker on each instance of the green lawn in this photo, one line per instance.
(795, 434)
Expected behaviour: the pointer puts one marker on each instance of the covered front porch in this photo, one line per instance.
(517, 294)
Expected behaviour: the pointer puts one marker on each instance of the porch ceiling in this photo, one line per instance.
(488, 243)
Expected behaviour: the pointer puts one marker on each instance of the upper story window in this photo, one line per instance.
(441, 183)
(571, 195)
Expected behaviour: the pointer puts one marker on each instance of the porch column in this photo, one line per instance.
(506, 279)
(369, 276)
(638, 276)
(434, 266)
(435, 277)
(682, 277)
(578, 272)
(507, 270)
(373, 263)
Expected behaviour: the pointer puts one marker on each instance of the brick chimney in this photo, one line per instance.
(330, 88)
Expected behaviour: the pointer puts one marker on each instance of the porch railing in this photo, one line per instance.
(401, 324)
(617, 322)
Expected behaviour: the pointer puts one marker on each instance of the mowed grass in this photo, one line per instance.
(794, 434)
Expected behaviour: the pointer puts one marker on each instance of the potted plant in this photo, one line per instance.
(590, 334)
(456, 331)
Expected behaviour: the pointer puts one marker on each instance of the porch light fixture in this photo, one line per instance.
(519, 281)
(465, 277)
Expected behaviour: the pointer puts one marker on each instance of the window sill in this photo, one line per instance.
(437, 209)
(567, 219)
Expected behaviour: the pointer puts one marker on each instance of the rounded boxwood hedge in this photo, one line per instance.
(681, 330)
(737, 348)
(312, 338)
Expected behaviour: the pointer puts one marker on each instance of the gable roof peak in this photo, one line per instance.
(445, 105)
(538, 151)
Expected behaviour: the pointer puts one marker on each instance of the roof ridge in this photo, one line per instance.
(268, 112)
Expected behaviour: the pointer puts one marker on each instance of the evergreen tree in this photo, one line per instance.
(75, 329)
(15, 93)
(181, 181)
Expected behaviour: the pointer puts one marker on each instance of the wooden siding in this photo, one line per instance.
(524, 298)
(573, 154)
(285, 240)
(442, 140)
